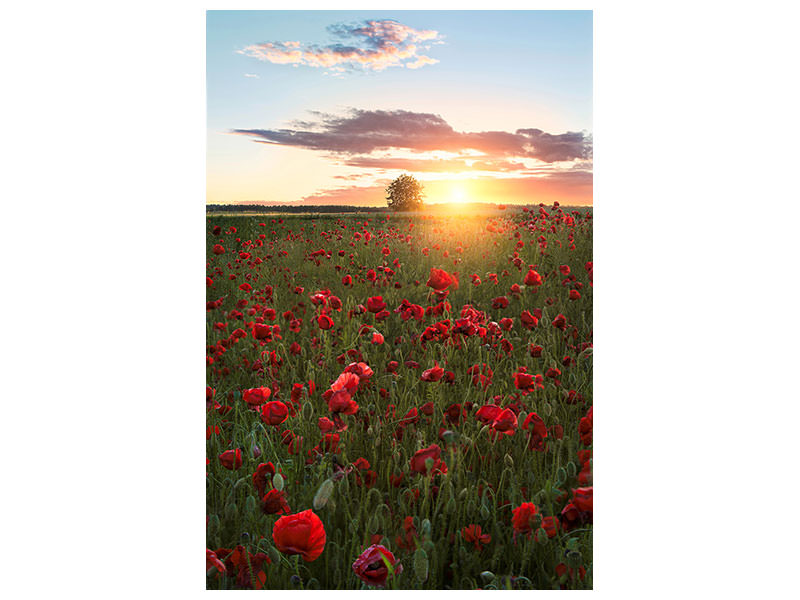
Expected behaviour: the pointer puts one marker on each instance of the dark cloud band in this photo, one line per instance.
(365, 131)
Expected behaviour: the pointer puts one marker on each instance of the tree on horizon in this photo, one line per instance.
(404, 193)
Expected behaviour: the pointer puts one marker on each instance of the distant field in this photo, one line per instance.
(430, 209)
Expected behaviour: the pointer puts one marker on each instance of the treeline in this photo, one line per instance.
(306, 208)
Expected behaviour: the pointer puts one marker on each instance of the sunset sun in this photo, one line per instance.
(458, 195)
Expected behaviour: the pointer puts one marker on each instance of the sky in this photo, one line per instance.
(328, 107)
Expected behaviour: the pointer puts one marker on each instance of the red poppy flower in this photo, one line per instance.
(361, 463)
(420, 457)
(361, 369)
(582, 498)
(533, 278)
(371, 568)
(435, 373)
(218, 249)
(505, 422)
(453, 413)
(550, 526)
(585, 427)
(439, 280)
(262, 476)
(231, 459)
(346, 381)
(557, 431)
(301, 533)
(262, 331)
(526, 382)
(256, 396)
(274, 412)
(562, 570)
(572, 517)
(472, 534)
(560, 322)
(552, 372)
(325, 425)
(500, 302)
(375, 304)
(341, 402)
(488, 413)
(407, 541)
(329, 443)
(274, 502)
(528, 320)
(213, 561)
(324, 322)
(538, 431)
(369, 479)
(523, 515)
(412, 416)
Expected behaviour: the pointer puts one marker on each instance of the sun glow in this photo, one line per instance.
(458, 195)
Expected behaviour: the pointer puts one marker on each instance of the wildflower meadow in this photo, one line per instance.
(400, 401)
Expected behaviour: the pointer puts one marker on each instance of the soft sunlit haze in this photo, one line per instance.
(328, 107)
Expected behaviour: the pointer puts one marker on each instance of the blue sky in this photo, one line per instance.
(494, 71)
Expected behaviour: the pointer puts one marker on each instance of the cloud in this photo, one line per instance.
(421, 62)
(433, 165)
(369, 45)
(351, 195)
(252, 75)
(366, 131)
(352, 176)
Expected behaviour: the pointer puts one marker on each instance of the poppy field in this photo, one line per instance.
(400, 401)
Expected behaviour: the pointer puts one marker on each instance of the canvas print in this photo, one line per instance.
(399, 300)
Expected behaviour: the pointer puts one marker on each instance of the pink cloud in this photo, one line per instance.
(372, 45)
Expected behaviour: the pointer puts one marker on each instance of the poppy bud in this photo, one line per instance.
(323, 494)
(421, 565)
